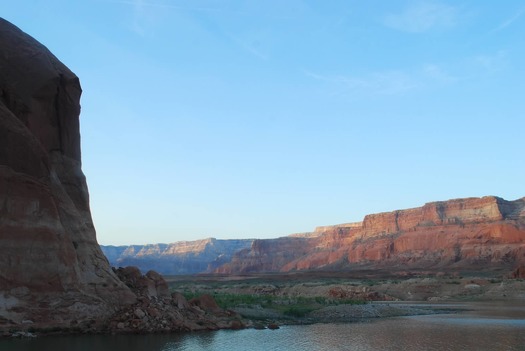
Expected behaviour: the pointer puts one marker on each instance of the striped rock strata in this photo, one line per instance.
(473, 234)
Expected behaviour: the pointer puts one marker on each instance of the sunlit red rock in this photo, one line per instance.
(462, 234)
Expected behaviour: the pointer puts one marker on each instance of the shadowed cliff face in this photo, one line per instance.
(183, 257)
(48, 244)
(464, 234)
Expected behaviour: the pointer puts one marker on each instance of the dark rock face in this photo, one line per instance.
(48, 247)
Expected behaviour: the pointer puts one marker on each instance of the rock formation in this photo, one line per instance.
(473, 234)
(183, 257)
(158, 310)
(53, 274)
(519, 273)
(50, 262)
(268, 255)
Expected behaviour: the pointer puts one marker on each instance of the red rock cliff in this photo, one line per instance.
(463, 234)
(51, 267)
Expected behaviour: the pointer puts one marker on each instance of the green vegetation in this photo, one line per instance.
(298, 311)
(297, 307)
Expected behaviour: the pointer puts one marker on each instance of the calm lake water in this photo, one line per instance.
(484, 327)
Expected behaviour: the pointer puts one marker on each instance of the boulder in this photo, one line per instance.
(519, 273)
(205, 303)
(161, 287)
(180, 301)
(152, 284)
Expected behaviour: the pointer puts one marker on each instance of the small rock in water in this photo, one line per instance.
(22, 334)
(259, 326)
(472, 286)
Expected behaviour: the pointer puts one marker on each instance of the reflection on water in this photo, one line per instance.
(484, 327)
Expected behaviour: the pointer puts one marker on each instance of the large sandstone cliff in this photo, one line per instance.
(51, 267)
(474, 234)
(53, 275)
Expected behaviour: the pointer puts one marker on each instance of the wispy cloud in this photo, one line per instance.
(511, 20)
(147, 13)
(251, 47)
(378, 83)
(491, 63)
(141, 5)
(423, 16)
(437, 74)
(393, 82)
(257, 42)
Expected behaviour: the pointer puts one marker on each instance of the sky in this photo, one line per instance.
(263, 118)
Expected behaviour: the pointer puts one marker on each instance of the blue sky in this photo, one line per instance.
(243, 119)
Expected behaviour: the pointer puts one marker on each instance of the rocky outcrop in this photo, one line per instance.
(52, 270)
(158, 310)
(150, 285)
(461, 234)
(518, 273)
(183, 257)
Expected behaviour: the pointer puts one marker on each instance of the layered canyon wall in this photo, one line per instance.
(472, 234)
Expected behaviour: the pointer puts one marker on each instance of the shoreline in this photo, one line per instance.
(272, 301)
(351, 313)
(270, 319)
(335, 314)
